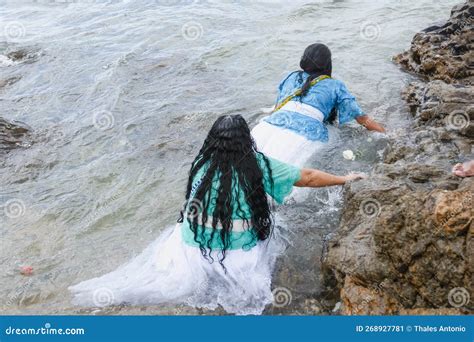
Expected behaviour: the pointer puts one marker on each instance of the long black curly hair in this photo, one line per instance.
(316, 61)
(229, 154)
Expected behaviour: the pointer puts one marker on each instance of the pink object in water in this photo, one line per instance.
(26, 270)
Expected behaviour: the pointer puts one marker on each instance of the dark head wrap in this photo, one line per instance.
(316, 61)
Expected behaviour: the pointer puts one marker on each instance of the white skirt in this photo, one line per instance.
(288, 147)
(169, 271)
(283, 144)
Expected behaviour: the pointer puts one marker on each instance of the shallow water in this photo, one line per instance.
(120, 96)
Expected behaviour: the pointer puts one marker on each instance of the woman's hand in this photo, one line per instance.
(313, 178)
(353, 176)
(370, 124)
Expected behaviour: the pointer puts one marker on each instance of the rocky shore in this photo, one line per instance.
(405, 244)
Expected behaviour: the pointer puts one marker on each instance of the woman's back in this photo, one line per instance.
(306, 115)
(278, 180)
(323, 96)
(307, 101)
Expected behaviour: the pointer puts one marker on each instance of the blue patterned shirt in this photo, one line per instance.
(324, 96)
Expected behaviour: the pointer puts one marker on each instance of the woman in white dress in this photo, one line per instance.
(223, 249)
(308, 100)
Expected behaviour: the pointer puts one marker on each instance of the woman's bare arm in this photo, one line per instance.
(370, 124)
(313, 178)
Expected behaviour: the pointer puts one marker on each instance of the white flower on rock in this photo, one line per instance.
(348, 154)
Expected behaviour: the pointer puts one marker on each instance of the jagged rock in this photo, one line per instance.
(439, 104)
(405, 244)
(443, 51)
(417, 243)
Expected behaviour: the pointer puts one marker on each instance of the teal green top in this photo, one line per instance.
(284, 177)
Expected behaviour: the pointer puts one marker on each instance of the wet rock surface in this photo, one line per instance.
(405, 244)
(13, 135)
(442, 51)
(10, 54)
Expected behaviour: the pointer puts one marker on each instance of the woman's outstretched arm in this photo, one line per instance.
(313, 178)
(370, 124)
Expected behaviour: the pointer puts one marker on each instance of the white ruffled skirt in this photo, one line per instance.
(169, 271)
(283, 144)
(288, 147)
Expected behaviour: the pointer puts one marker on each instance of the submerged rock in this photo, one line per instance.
(13, 135)
(405, 244)
(9, 81)
(11, 55)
